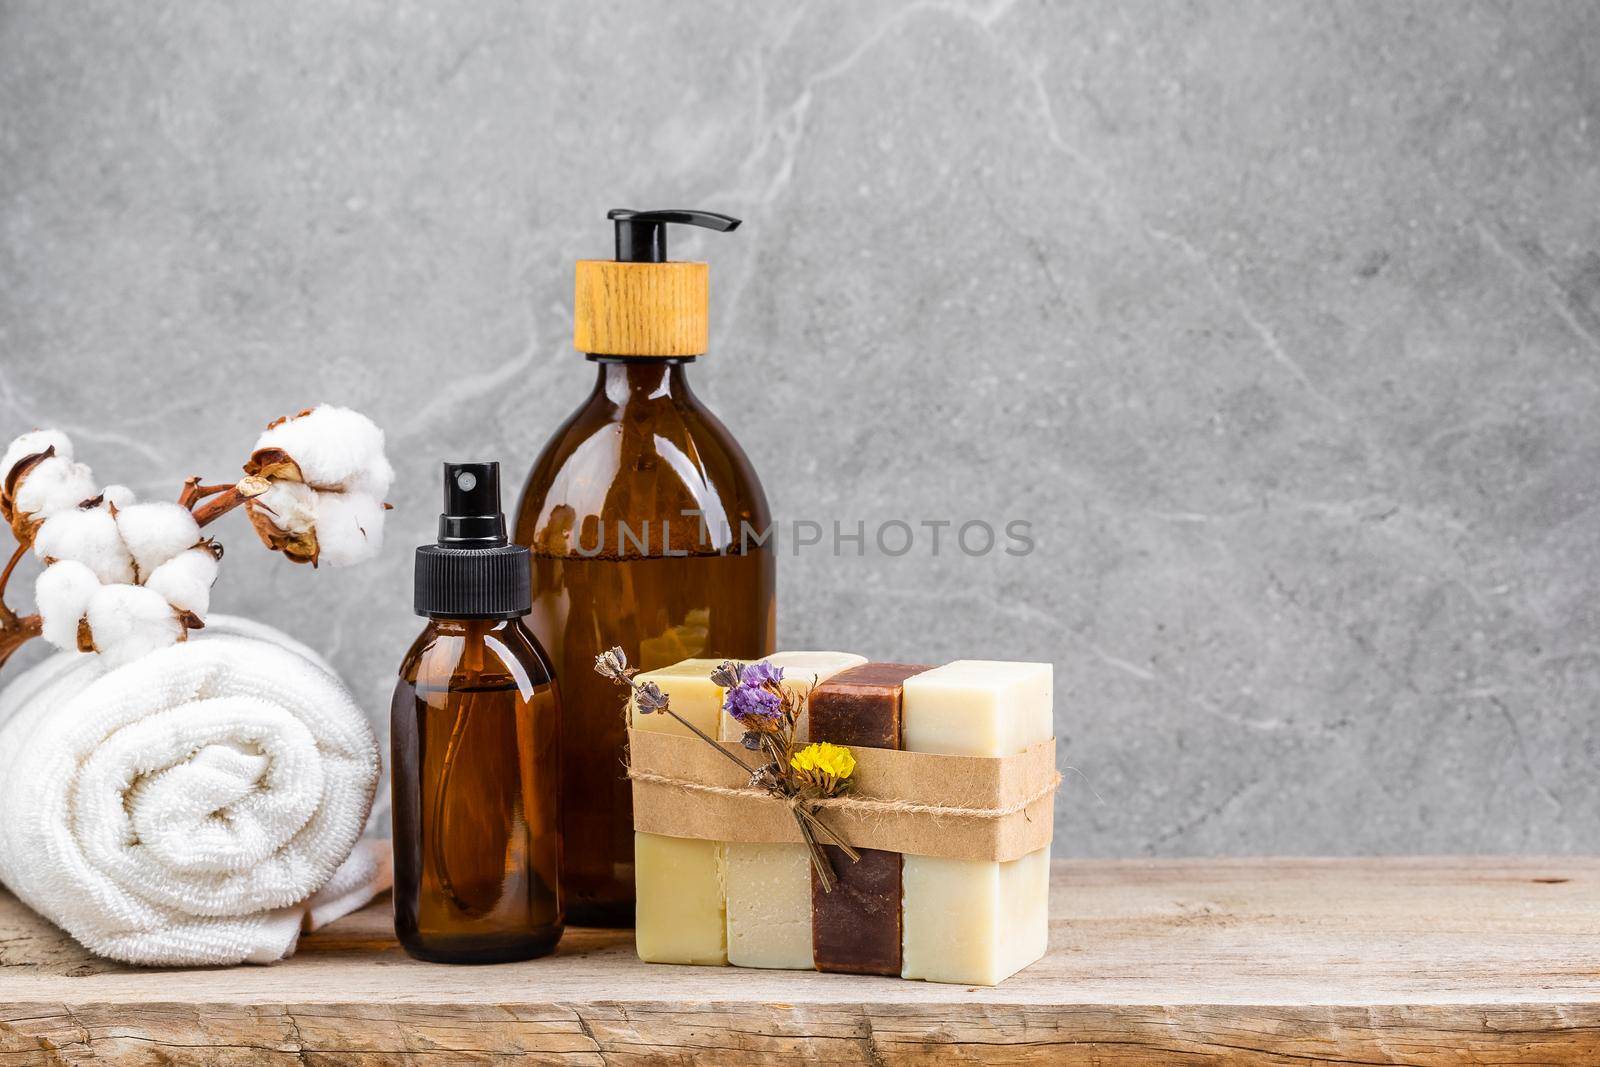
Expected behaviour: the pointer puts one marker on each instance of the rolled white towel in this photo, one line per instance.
(198, 805)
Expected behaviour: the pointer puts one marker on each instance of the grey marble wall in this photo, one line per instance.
(1279, 321)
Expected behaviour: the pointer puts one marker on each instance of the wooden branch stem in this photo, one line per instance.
(193, 492)
(16, 632)
(8, 618)
(227, 498)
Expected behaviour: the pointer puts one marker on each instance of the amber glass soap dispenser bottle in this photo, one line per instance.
(476, 729)
(649, 531)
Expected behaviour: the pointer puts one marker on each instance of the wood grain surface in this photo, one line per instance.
(641, 309)
(1421, 961)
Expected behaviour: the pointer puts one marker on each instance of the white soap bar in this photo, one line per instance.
(769, 885)
(681, 883)
(801, 671)
(976, 922)
(769, 905)
(978, 707)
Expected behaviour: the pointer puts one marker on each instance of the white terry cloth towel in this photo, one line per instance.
(197, 806)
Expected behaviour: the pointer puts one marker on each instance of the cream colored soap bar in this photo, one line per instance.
(976, 922)
(681, 915)
(769, 885)
(693, 695)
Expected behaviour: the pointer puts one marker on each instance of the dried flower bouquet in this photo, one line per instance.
(769, 713)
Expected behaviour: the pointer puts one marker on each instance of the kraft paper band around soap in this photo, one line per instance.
(917, 803)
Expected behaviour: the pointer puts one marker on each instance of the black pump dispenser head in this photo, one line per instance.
(472, 573)
(642, 235)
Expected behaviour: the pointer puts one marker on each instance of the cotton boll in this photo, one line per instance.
(63, 591)
(53, 485)
(377, 475)
(349, 528)
(335, 448)
(90, 536)
(118, 496)
(185, 580)
(31, 444)
(156, 532)
(285, 518)
(292, 506)
(129, 621)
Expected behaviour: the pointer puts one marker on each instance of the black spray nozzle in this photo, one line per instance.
(472, 516)
(642, 235)
(472, 573)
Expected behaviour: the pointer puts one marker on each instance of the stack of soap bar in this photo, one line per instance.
(855, 929)
(975, 922)
(769, 885)
(972, 922)
(681, 910)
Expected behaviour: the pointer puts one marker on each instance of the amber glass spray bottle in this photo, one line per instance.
(476, 728)
(649, 531)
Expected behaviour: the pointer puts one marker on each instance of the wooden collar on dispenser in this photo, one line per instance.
(641, 304)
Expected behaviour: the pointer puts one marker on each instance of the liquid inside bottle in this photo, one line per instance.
(618, 562)
(475, 736)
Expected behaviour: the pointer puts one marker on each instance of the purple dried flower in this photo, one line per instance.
(753, 706)
(761, 673)
(725, 674)
(751, 740)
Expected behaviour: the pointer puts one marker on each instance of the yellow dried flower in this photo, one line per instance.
(820, 761)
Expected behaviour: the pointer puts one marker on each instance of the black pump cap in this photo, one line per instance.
(642, 235)
(472, 573)
(472, 517)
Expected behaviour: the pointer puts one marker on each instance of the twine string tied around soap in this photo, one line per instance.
(865, 805)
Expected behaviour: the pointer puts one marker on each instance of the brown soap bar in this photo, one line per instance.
(856, 928)
(861, 706)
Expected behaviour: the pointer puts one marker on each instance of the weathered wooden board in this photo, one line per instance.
(1424, 961)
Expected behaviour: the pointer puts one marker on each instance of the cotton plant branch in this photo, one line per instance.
(15, 630)
(7, 616)
(123, 577)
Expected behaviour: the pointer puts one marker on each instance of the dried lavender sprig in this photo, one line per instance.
(712, 742)
(613, 664)
(726, 674)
